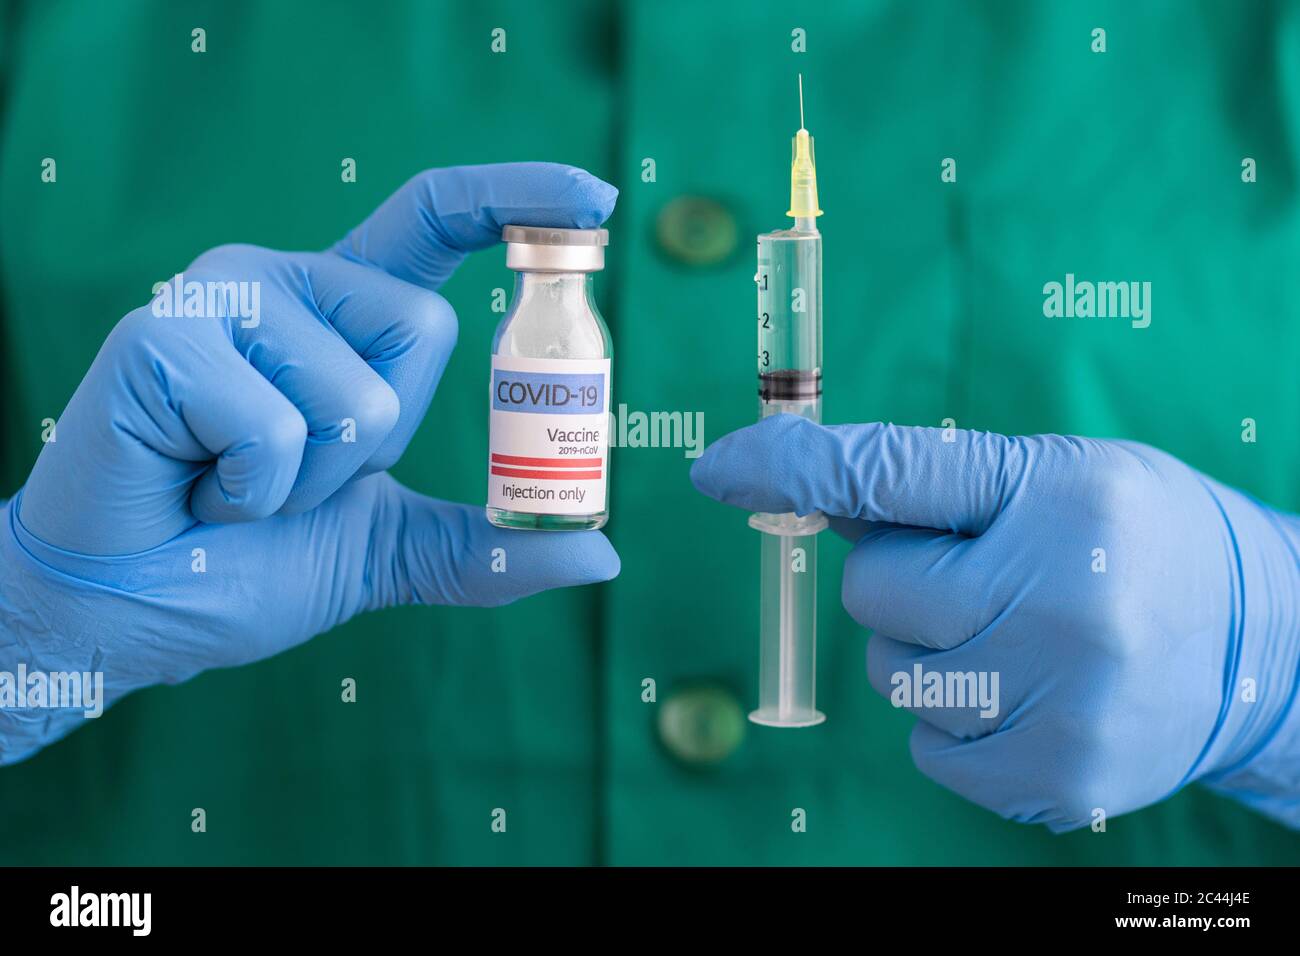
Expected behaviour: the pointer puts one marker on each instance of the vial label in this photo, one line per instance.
(548, 445)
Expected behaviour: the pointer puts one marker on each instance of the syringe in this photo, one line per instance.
(789, 280)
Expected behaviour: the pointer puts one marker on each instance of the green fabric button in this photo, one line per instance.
(702, 724)
(696, 230)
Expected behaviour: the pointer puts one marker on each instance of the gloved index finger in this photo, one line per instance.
(423, 231)
(877, 472)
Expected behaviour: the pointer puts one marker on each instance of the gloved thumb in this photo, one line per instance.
(427, 551)
(948, 479)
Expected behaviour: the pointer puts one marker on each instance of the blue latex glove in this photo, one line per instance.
(1177, 662)
(244, 447)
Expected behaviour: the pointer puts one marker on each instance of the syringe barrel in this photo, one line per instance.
(789, 279)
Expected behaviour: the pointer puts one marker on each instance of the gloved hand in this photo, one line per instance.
(1143, 619)
(214, 493)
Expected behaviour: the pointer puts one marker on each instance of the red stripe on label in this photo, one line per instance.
(548, 462)
(545, 475)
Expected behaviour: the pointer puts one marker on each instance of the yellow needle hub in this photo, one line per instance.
(803, 170)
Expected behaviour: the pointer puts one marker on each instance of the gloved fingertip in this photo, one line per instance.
(561, 559)
(598, 560)
(702, 475)
(589, 198)
(759, 468)
(542, 561)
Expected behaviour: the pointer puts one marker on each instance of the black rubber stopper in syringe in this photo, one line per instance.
(789, 385)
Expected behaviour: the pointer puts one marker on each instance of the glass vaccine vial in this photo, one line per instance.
(548, 442)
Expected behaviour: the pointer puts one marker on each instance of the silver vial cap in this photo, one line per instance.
(548, 249)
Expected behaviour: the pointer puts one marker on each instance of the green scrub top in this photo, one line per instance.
(1123, 165)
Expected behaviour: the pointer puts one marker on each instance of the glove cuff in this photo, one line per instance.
(51, 673)
(1256, 755)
